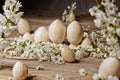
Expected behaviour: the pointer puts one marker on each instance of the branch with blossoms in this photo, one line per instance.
(10, 17)
(107, 19)
(67, 11)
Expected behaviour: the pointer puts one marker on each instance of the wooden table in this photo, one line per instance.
(70, 71)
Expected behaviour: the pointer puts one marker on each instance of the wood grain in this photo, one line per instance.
(70, 71)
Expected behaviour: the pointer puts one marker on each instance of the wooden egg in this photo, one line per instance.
(57, 31)
(71, 46)
(74, 33)
(20, 71)
(71, 17)
(41, 34)
(110, 66)
(28, 36)
(23, 26)
(86, 43)
(68, 54)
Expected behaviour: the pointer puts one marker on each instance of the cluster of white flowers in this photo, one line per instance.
(59, 77)
(10, 17)
(3, 43)
(81, 52)
(83, 72)
(102, 49)
(98, 77)
(45, 51)
(69, 10)
(98, 49)
(107, 19)
(91, 51)
(108, 25)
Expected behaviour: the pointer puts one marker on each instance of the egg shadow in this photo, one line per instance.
(76, 61)
(30, 78)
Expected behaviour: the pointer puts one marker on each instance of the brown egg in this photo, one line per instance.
(68, 54)
(57, 31)
(71, 17)
(20, 71)
(23, 26)
(74, 33)
(28, 36)
(86, 43)
(110, 66)
(41, 34)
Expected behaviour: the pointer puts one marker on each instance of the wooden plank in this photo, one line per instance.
(70, 71)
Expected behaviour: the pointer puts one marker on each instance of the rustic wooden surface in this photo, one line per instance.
(70, 71)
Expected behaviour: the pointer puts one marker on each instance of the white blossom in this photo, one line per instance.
(111, 40)
(59, 77)
(113, 78)
(96, 77)
(85, 34)
(83, 72)
(111, 29)
(111, 9)
(100, 15)
(115, 21)
(3, 20)
(57, 59)
(103, 32)
(98, 22)
(93, 10)
(118, 14)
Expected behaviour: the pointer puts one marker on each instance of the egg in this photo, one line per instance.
(28, 36)
(74, 33)
(110, 66)
(57, 31)
(86, 43)
(67, 54)
(23, 26)
(71, 17)
(20, 71)
(72, 46)
(41, 34)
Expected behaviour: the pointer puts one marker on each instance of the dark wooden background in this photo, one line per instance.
(54, 7)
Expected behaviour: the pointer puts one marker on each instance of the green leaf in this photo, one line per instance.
(7, 24)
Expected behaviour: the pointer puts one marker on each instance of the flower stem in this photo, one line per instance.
(98, 5)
